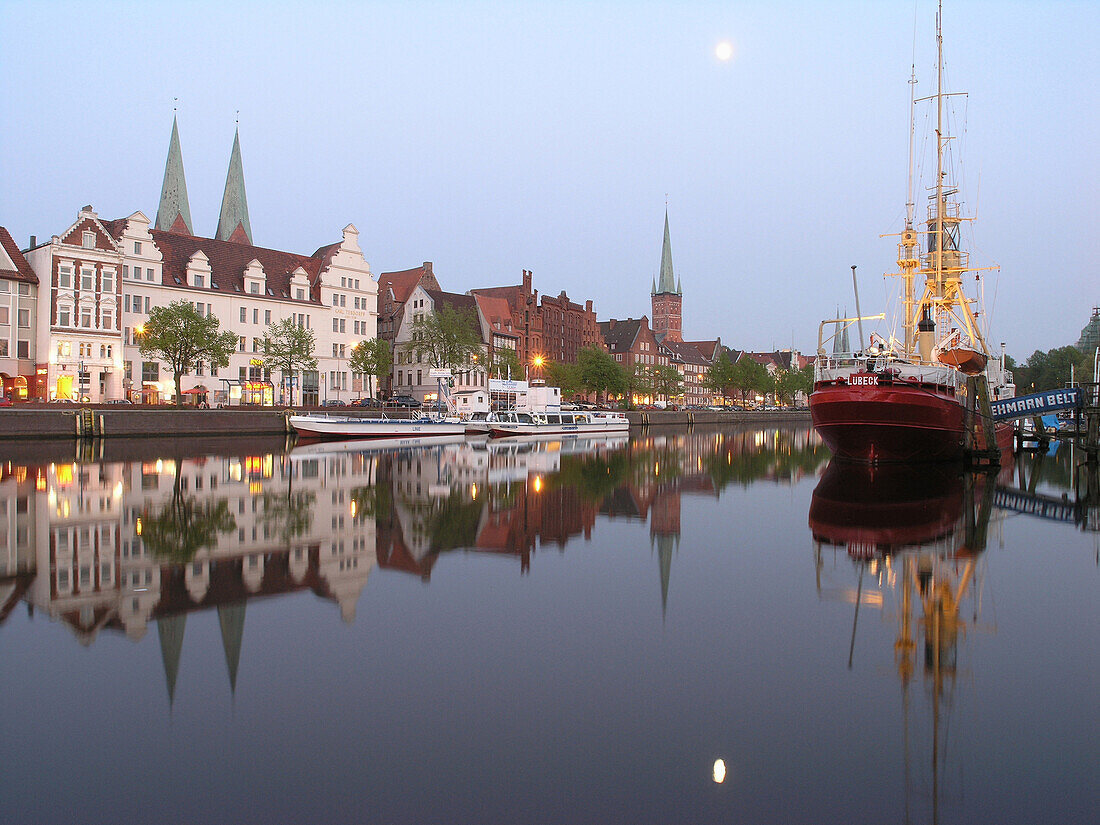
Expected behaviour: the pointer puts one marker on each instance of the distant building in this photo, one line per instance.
(18, 311)
(667, 297)
(555, 328)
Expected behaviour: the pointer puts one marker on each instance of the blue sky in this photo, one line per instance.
(492, 137)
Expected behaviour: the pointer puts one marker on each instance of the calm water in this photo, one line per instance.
(547, 632)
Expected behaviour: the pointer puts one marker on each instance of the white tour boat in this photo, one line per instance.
(558, 423)
(320, 426)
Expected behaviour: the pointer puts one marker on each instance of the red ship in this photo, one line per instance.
(906, 400)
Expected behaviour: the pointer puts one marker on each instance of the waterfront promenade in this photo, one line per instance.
(114, 421)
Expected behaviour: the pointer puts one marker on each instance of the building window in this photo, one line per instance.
(5, 316)
(137, 247)
(242, 344)
(65, 278)
(335, 325)
(267, 317)
(335, 300)
(200, 280)
(108, 320)
(300, 294)
(147, 302)
(3, 347)
(87, 280)
(255, 316)
(87, 240)
(343, 300)
(244, 315)
(254, 288)
(149, 276)
(150, 371)
(86, 318)
(107, 281)
(342, 322)
(25, 319)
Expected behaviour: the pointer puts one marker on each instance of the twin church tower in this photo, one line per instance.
(174, 212)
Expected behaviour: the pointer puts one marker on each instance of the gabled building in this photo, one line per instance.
(79, 323)
(631, 342)
(18, 317)
(693, 367)
(104, 278)
(411, 369)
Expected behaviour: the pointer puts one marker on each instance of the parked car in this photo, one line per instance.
(372, 403)
(119, 401)
(333, 402)
(403, 401)
(6, 401)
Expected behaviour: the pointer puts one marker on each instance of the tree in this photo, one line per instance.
(446, 338)
(565, 376)
(288, 348)
(505, 364)
(667, 381)
(720, 377)
(599, 372)
(179, 336)
(749, 375)
(1051, 369)
(788, 383)
(373, 357)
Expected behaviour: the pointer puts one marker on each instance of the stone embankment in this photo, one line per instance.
(165, 422)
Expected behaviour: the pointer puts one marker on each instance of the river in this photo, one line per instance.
(714, 625)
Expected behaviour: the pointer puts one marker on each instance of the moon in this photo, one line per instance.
(724, 51)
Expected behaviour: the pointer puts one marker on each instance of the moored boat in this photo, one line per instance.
(559, 424)
(319, 426)
(908, 399)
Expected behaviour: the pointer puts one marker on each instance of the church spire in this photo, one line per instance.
(667, 281)
(174, 214)
(233, 222)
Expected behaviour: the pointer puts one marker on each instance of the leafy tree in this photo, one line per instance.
(1051, 369)
(565, 376)
(179, 336)
(599, 372)
(505, 363)
(720, 377)
(666, 380)
(788, 383)
(373, 357)
(749, 375)
(639, 381)
(288, 348)
(447, 338)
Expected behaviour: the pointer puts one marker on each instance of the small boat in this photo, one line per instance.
(317, 426)
(559, 424)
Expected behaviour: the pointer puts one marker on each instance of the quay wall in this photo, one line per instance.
(38, 423)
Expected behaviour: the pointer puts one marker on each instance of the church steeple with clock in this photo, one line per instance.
(667, 297)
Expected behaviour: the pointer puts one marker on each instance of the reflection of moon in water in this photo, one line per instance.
(724, 51)
(719, 771)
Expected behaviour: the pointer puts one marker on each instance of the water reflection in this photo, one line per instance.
(112, 545)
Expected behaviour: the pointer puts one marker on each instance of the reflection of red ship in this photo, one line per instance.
(918, 534)
(874, 511)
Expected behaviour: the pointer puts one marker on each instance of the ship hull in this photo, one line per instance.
(888, 423)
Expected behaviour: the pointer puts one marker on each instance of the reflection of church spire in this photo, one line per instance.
(665, 544)
(231, 619)
(171, 629)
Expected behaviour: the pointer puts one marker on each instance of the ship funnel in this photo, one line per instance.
(926, 336)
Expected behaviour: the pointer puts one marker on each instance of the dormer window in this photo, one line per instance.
(300, 294)
(87, 240)
(200, 281)
(254, 288)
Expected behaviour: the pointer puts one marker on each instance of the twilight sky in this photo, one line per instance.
(492, 137)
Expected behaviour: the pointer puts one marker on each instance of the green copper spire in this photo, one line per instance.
(233, 222)
(667, 282)
(174, 214)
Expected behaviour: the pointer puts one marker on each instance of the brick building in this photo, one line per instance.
(555, 327)
(18, 308)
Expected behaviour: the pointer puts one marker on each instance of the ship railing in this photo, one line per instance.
(839, 326)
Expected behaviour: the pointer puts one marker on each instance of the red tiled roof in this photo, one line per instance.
(22, 271)
(497, 312)
(229, 259)
(402, 283)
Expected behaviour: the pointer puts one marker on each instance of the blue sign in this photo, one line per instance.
(1026, 406)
